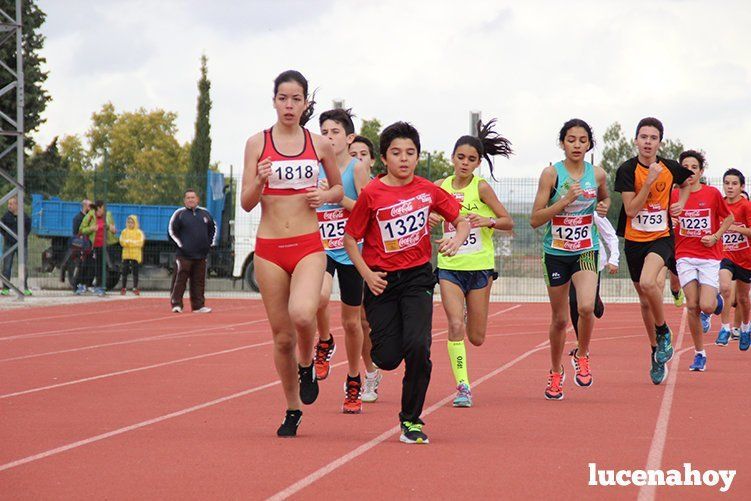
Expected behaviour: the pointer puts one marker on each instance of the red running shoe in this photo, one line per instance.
(322, 359)
(352, 396)
(582, 376)
(554, 390)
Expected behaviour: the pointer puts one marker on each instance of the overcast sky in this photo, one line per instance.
(531, 64)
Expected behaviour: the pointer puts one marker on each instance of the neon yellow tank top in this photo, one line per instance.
(477, 253)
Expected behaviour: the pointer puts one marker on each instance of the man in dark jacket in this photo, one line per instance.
(10, 220)
(193, 231)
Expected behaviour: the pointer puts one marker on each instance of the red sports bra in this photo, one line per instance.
(290, 175)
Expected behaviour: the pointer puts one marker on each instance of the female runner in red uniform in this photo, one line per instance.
(281, 172)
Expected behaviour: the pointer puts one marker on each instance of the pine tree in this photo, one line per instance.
(200, 149)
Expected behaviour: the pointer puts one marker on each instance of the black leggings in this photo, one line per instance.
(128, 266)
(400, 328)
(574, 306)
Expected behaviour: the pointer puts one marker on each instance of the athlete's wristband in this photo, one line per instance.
(492, 222)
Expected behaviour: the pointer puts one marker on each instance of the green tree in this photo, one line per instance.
(434, 165)
(200, 149)
(79, 181)
(136, 157)
(45, 171)
(35, 95)
(372, 130)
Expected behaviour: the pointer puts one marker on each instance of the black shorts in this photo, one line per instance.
(636, 253)
(560, 269)
(350, 281)
(739, 272)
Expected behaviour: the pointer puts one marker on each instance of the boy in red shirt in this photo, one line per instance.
(736, 260)
(698, 251)
(391, 214)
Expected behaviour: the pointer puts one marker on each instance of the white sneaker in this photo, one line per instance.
(177, 309)
(204, 309)
(370, 387)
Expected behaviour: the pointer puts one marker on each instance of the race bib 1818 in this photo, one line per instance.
(293, 174)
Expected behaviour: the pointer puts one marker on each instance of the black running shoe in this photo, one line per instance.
(308, 384)
(412, 433)
(289, 425)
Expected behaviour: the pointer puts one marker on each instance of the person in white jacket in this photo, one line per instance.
(609, 240)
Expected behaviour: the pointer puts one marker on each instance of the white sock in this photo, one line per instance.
(371, 375)
(746, 327)
(702, 353)
(726, 327)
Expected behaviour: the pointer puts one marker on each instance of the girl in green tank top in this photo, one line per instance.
(568, 195)
(466, 278)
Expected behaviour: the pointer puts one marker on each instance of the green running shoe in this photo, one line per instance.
(658, 372)
(664, 347)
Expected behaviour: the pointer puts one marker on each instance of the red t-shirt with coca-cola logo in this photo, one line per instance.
(702, 216)
(735, 245)
(393, 220)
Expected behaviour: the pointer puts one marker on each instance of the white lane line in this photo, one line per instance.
(120, 431)
(346, 458)
(654, 458)
(136, 369)
(82, 313)
(88, 327)
(170, 335)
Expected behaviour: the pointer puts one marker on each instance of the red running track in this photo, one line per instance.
(124, 400)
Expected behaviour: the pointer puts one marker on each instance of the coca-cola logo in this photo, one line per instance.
(425, 198)
(459, 196)
(589, 193)
(410, 240)
(403, 209)
(573, 221)
(336, 243)
(572, 246)
(693, 213)
(332, 215)
(654, 207)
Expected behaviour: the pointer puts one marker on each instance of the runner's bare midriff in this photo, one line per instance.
(285, 216)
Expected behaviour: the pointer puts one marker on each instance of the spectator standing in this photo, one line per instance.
(10, 220)
(132, 241)
(99, 225)
(80, 250)
(193, 231)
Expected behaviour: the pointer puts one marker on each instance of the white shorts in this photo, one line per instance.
(704, 271)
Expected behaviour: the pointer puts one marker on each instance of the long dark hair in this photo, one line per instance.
(296, 76)
(487, 143)
(577, 122)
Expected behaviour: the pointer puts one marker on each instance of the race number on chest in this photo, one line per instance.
(404, 224)
(572, 233)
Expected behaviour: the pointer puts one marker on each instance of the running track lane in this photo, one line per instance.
(496, 436)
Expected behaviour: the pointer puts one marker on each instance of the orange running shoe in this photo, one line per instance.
(554, 391)
(582, 376)
(352, 396)
(322, 359)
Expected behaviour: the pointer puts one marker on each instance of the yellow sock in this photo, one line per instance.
(458, 358)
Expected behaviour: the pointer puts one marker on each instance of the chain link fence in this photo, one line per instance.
(52, 264)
